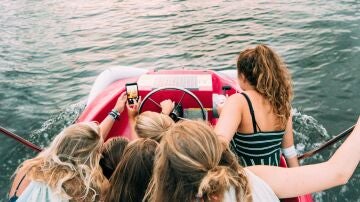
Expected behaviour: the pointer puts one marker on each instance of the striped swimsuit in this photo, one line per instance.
(258, 148)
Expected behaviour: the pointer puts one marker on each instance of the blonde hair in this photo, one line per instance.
(266, 71)
(70, 165)
(191, 163)
(152, 125)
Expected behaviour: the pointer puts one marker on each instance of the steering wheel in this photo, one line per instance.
(177, 102)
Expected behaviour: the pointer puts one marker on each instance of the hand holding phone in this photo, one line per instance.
(120, 103)
(132, 92)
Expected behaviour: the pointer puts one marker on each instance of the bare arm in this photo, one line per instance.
(291, 182)
(230, 118)
(288, 141)
(133, 111)
(108, 122)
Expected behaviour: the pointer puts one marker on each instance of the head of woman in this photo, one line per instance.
(266, 72)
(112, 152)
(152, 125)
(70, 165)
(192, 164)
(132, 175)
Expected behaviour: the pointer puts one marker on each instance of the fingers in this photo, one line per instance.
(137, 101)
(128, 106)
(122, 96)
(167, 100)
(134, 106)
(120, 103)
(167, 106)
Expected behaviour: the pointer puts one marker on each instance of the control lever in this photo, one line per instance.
(225, 88)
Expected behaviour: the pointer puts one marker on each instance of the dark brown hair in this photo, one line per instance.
(132, 175)
(266, 71)
(111, 154)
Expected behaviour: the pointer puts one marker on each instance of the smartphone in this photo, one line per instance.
(132, 92)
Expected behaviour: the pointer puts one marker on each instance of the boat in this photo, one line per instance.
(197, 91)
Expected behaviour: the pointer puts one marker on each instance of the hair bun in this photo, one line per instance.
(217, 180)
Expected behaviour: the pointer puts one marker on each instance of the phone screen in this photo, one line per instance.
(132, 92)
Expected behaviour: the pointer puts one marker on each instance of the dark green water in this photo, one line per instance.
(51, 52)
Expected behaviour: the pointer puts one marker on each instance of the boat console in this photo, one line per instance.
(196, 91)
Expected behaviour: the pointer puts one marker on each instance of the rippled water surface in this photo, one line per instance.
(51, 52)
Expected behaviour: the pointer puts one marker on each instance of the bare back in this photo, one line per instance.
(250, 126)
(264, 114)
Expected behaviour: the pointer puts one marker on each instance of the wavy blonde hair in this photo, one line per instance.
(70, 165)
(191, 163)
(152, 125)
(267, 72)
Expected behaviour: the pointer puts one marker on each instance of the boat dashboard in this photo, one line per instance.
(197, 92)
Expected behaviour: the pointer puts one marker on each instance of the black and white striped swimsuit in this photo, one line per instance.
(258, 148)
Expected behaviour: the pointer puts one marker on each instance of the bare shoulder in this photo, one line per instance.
(236, 98)
(254, 95)
(235, 102)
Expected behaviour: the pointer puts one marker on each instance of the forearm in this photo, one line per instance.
(132, 128)
(108, 122)
(346, 158)
(297, 181)
(290, 182)
(290, 154)
(292, 162)
(288, 147)
(106, 125)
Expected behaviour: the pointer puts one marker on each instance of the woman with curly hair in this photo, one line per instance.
(263, 122)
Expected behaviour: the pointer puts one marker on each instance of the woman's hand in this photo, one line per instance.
(167, 106)
(220, 102)
(108, 122)
(133, 109)
(120, 103)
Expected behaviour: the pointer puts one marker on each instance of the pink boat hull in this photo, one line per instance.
(211, 83)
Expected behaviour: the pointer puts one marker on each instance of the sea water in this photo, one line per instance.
(51, 52)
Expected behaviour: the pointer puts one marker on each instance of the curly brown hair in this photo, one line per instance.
(267, 72)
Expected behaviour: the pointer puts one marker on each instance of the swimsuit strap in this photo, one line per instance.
(255, 125)
(22, 179)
